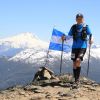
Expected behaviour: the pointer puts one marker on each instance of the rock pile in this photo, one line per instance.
(44, 74)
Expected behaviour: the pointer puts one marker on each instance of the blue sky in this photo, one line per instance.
(41, 16)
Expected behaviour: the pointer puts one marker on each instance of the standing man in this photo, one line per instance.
(79, 32)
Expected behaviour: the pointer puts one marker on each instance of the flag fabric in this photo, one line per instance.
(56, 41)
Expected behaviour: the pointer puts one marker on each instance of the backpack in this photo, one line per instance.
(83, 33)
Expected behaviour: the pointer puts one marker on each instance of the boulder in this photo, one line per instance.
(44, 73)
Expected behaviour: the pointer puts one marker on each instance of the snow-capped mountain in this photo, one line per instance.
(27, 53)
(23, 40)
(12, 45)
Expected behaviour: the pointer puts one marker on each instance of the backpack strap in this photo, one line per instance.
(84, 32)
(74, 28)
(74, 31)
(84, 27)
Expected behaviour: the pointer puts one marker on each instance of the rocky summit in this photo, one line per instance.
(58, 88)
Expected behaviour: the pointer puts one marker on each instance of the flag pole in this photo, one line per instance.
(61, 56)
(47, 56)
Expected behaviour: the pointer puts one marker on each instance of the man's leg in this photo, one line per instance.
(75, 56)
(78, 62)
(74, 70)
(77, 69)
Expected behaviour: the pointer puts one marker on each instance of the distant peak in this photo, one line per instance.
(28, 34)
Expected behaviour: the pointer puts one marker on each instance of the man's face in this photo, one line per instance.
(79, 20)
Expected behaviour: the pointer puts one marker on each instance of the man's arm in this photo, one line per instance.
(69, 34)
(90, 39)
(90, 35)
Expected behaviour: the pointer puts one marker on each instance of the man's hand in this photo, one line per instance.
(90, 42)
(63, 38)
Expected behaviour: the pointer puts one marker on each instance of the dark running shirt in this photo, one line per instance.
(79, 43)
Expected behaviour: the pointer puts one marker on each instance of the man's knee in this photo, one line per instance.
(78, 62)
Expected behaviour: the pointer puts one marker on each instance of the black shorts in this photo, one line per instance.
(78, 53)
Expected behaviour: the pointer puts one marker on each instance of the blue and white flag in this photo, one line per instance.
(56, 41)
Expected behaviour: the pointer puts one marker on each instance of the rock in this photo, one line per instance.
(60, 93)
(35, 89)
(64, 98)
(87, 81)
(29, 87)
(56, 96)
(48, 96)
(63, 94)
(65, 84)
(38, 91)
(68, 95)
(37, 98)
(66, 78)
(52, 96)
(21, 93)
(43, 74)
(90, 87)
(83, 98)
(52, 82)
(47, 74)
(95, 85)
(50, 71)
(98, 89)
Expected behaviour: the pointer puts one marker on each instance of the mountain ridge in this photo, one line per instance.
(20, 42)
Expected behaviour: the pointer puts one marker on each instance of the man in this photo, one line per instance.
(79, 32)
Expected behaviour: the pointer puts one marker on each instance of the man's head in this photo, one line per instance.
(79, 18)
